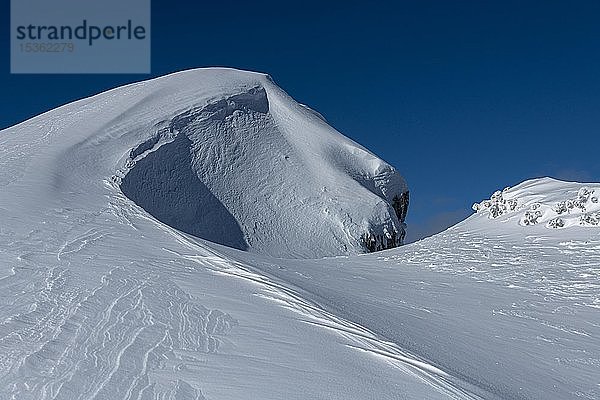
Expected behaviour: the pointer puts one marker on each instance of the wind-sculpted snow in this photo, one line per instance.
(108, 303)
(165, 184)
(105, 296)
(124, 331)
(78, 327)
(236, 171)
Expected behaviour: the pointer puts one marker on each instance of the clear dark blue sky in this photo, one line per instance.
(463, 97)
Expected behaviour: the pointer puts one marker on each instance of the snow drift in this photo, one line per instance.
(250, 168)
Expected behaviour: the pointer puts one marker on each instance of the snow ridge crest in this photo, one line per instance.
(235, 170)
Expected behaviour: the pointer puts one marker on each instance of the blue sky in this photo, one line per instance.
(463, 97)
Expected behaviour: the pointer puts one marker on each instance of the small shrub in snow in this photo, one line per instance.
(560, 208)
(497, 205)
(556, 223)
(496, 210)
(570, 205)
(532, 216)
(583, 197)
(584, 192)
(590, 219)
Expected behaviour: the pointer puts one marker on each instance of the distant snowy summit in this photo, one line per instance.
(227, 156)
(545, 202)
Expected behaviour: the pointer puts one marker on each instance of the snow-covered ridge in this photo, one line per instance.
(229, 157)
(547, 202)
(234, 172)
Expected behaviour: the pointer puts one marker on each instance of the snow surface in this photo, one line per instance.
(106, 294)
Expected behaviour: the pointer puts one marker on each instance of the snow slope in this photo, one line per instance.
(103, 294)
(512, 309)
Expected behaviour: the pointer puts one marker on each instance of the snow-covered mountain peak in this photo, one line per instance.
(546, 202)
(227, 156)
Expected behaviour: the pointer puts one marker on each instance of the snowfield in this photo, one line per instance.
(197, 236)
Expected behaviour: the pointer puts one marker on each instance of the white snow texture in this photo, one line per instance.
(195, 236)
